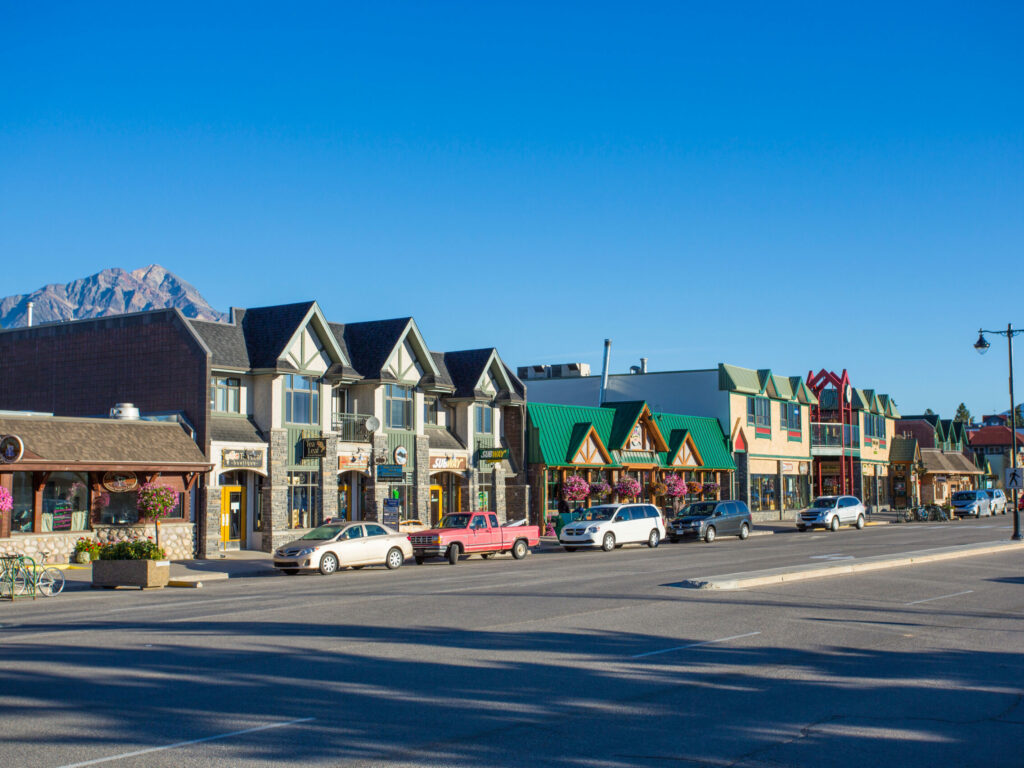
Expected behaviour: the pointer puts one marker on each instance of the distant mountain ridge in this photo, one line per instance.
(109, 292)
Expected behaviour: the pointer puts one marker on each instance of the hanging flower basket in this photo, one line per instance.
(6, 500)
(600, 490)
(711, 489)
(627, 487)
(695, 487)
(156, 501)
(675, 486)
(657, 488)
(575, 488)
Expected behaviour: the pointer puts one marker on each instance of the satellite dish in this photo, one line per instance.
(372, 424)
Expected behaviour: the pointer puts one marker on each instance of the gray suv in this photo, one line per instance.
(709, 519)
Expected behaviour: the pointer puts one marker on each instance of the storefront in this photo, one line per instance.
(75, 477)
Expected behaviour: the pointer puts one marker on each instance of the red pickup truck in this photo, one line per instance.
(473, 533)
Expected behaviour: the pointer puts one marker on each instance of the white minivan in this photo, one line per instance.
(612, 525)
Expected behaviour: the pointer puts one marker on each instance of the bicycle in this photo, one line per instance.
(21, 576)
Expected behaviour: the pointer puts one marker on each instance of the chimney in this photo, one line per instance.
(643, 365)
(31, 304)
(604, 371)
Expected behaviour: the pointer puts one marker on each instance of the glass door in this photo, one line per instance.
(232, 514)
(436, 504)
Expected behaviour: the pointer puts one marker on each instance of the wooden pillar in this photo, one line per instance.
(38, 483)
(6, 481)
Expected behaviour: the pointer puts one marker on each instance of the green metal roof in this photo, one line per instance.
(626, 414)
(746, 381)
(552, 430)
(707, 437)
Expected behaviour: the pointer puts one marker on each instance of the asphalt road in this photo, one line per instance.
(583, 659)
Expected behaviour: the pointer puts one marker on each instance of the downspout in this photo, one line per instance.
(604, 371)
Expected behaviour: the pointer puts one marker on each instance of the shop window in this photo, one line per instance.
(397, 407)
(484, 415)
(431, 410)
(22, 514)
(225, 394)
(66, 502)
(764, 496)
(795, 491)
(303, 509)
(301, 399)
(484, 495)
(117, 508)
(553, 483)
(759, 415)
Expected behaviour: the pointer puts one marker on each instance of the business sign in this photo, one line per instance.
(357, 461)
(242, 458)
(389, 472)
(314, 447)
(787, 466)
(455, 463)
(392, 512)
(120, 482)
(493, 454)
(11, 449)
(401, 455)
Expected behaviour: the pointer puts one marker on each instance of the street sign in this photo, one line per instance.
(1015, 479)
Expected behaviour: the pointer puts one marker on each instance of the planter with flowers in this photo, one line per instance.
(133, 563)
(657, 489)
(86, 550)
(627, 487)
(695, 488)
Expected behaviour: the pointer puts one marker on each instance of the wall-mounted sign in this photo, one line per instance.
(120, 482)
(455, 463)
(787, 466)
(357, 461)
(241, 458)
(493, 454)
(805, 467)
(389, 472)
(11, 449)
(401, 455)
(314, 447)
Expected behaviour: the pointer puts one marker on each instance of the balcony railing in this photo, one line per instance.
(830, 435)
(351, 427)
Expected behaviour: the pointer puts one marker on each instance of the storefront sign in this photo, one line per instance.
(787, 466)
(389, 472)
(11, 449)
(401, 455)
(120, 482)
(805, 467)
(392, 512)
(314, 447)
(493, 454)
(456, 463)
(241, 458)
(358, 461)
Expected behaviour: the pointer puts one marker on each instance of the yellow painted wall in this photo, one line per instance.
(779, 444)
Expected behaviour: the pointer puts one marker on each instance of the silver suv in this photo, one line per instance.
(832, 511)
(971, 504)
(996, 500)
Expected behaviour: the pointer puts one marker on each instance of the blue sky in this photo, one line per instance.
(783, 185)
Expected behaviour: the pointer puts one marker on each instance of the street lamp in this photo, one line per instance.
(981, 346)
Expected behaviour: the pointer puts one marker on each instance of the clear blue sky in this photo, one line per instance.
(768, 184)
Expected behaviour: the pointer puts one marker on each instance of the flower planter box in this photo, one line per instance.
(144, 574)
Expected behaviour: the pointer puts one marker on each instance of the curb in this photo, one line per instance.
(874, 563)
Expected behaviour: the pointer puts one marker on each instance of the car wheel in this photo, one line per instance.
(569, 549)
(328, 564)
(608, 542)
(419, 560)
(860, 522)
(801, 528)
(520, 550)
(834, 525)
(709, 534)
(289, 571)
(654, 539)
(395, 558)
(744, 532)
(673, 539)
(454, 551)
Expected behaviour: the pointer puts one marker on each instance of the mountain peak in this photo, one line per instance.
(112, 291)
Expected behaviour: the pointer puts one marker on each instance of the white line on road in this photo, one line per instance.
(186, 743)
(185, 602)
(694, 645)
(940, 597)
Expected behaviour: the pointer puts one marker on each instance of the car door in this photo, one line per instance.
(622, 525)
(654, 521)
(376, 543)
(732, 513)
(478, 534)
(848, 510)
(494, 531)
(351, 546)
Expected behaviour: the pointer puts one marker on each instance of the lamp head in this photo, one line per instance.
(981, 345)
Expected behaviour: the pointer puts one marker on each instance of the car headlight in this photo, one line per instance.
(307, 551)
(437, 540)
(592, 529)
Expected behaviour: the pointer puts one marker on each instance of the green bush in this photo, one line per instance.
(135, 549)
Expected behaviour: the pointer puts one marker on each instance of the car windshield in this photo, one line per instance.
(965, 496)
(824, 502)
(700, 508)
(599, 513)
(323, 533)
(454, 521)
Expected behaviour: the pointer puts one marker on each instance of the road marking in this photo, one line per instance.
(836, 556)
(694, 645)
(940, 597)
(186, 743)
(184, 602)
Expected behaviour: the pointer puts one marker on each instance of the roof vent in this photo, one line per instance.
(124, 412)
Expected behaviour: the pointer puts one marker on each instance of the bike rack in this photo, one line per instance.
(10, 567)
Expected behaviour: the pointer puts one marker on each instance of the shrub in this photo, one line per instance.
(88, 545)
(133, 549)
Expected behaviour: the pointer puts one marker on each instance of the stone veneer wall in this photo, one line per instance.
(175, 538)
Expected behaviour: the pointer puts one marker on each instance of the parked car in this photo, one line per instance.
(344, 545)
(832, 511)
(996, 500)
(612, 525)
(473, 533)
(971, 504)
(709, 519)
(412, 525)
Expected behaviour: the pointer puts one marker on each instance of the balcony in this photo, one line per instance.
(829, 439)
(351, 427)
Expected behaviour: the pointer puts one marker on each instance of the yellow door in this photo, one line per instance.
(344, 502)
(436, 504)
(232, 514)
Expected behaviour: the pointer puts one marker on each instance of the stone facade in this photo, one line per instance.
(175, 539)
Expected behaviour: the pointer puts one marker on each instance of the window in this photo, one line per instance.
(118, 508)
(483, 493)
(483, 419)
(340, 401)
(624, 515)
(355, 532)
(225, 394)
(303, 509)
(375, 530)
(493, 520)
(430, 410)
(66, 502)
(23, 513)
(301, 399)
(759, 415)
(764, 493)
(790, 418)
(397, 406)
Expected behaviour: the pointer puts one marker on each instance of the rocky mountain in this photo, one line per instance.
(110, 292)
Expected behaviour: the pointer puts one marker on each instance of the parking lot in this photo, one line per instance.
(588, 658)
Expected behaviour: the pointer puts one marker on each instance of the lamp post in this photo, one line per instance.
(981, 346)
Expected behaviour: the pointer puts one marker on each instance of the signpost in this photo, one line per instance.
(392, 511)
(1015, 479)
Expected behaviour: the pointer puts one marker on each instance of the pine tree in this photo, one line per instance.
(962, 414)
(929, 412)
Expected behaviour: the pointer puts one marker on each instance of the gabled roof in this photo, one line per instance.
(555, 429)
(706, 434)
(904, 450)
(371, 343)
(468, 366)
(627, 414)
(994, 436)
(269, 329)
(733, 378)
(226, 342)
(931, 418)
(580, 432)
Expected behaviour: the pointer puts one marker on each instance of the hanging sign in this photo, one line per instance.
(493, 454)
(120, 482)
(447, 462)
(11, 449)
(314, 447)
(401, 455)
(357, 461)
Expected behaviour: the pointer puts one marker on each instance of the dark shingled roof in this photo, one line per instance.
(226, 343)
(903, 450)
(440, 438)
(269, 329)
(234, 429)
(368, 345)
(465, 368)
(444, 378)
(104, 441)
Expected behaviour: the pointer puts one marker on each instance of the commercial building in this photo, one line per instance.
(994, 444)
(947, 463)
(301, 419)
